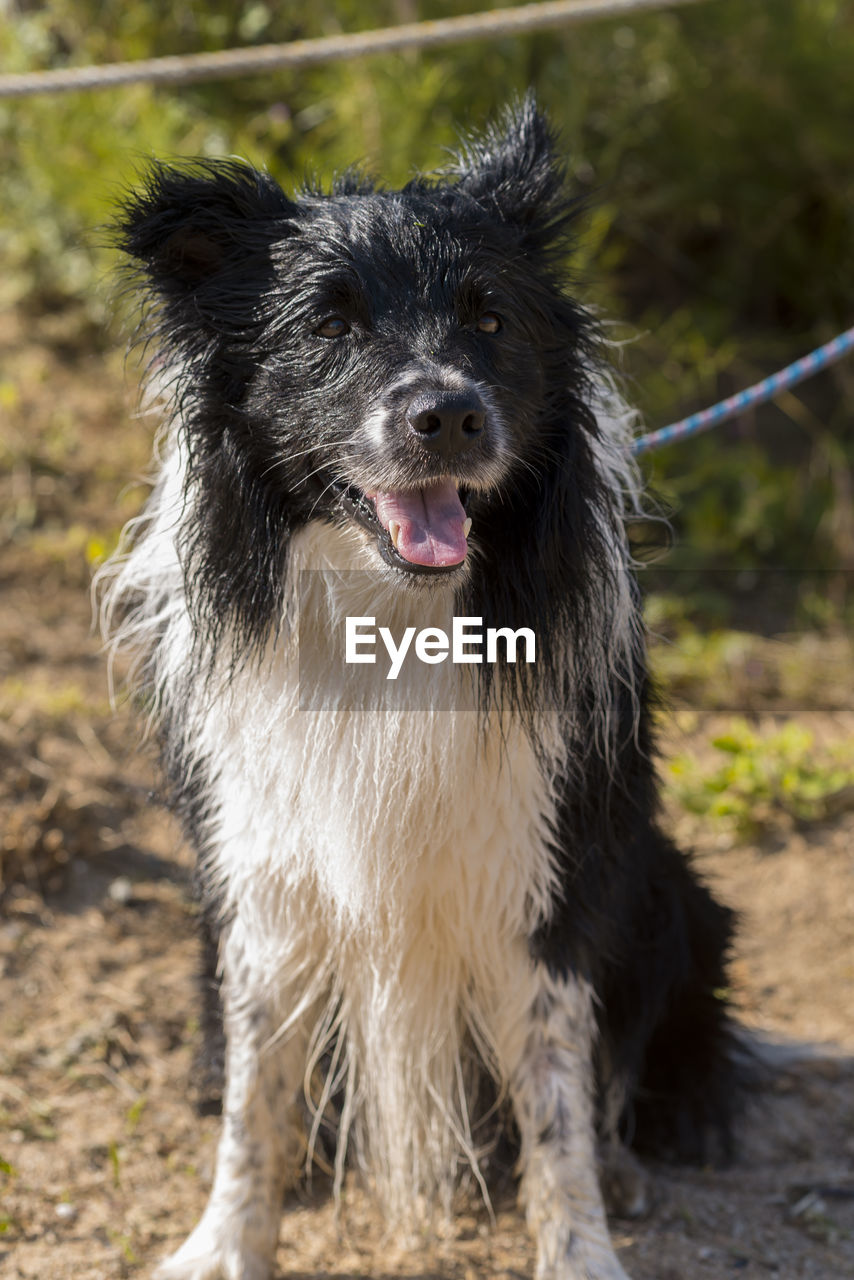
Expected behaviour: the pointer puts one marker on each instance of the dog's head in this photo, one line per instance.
(405, 363)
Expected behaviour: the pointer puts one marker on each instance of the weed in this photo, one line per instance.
(765, 778)
(134, 1113)
(123, 1243)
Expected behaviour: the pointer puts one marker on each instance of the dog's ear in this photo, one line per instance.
(193, 225)
(512, 170)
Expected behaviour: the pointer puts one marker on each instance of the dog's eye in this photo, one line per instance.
(489, 322)
(333, 327)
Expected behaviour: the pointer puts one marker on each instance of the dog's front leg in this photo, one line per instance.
(259, 1144)
(544, 1041)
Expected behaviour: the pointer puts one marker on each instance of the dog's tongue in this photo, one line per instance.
(430, 523)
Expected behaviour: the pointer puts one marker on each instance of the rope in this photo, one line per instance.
(302, 53)
(757, 394)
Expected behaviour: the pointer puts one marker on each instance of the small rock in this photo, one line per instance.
(809, 1205)
(121, 891)
(66, 1212)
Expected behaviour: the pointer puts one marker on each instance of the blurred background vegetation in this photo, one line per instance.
(714, 142)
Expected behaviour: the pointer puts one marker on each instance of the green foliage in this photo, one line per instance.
(8, 1172)
(712, 137)
(134, 1113)
(764, 778)
(124, 1244)
(716, 669)
(713, 143)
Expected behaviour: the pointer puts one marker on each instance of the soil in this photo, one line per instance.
(104, 1158)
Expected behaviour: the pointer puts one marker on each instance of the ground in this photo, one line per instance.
(104, 1160)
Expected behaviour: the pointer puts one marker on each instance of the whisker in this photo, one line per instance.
(343, 456)
(335, 480)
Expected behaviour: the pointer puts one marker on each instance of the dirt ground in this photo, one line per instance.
(104, 1160)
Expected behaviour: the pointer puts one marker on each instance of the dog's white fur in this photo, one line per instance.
(379, 872)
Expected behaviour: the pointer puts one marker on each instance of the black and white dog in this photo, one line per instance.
(394, 391)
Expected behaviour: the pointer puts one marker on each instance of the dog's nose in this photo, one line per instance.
(447, 422)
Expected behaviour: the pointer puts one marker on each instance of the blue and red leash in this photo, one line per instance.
(757, 394)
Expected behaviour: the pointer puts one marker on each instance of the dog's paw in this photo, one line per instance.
(577, 1256)
(583, 1269)
(204, 1256)
(565, 1252)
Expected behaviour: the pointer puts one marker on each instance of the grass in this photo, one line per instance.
(757, 780)
(728, 670)
(53, 703)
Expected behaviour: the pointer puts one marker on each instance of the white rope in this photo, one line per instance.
(302, 53)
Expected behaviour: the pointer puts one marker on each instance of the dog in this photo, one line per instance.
(445, 904)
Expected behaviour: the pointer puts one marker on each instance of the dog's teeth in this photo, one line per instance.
(394, 533)
(467, 527)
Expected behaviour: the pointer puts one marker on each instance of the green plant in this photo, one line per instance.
(764, 778)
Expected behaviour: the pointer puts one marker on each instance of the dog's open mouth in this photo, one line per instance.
(422, 530)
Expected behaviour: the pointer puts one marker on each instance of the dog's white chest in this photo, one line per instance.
(408, 817)
(416, 817)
